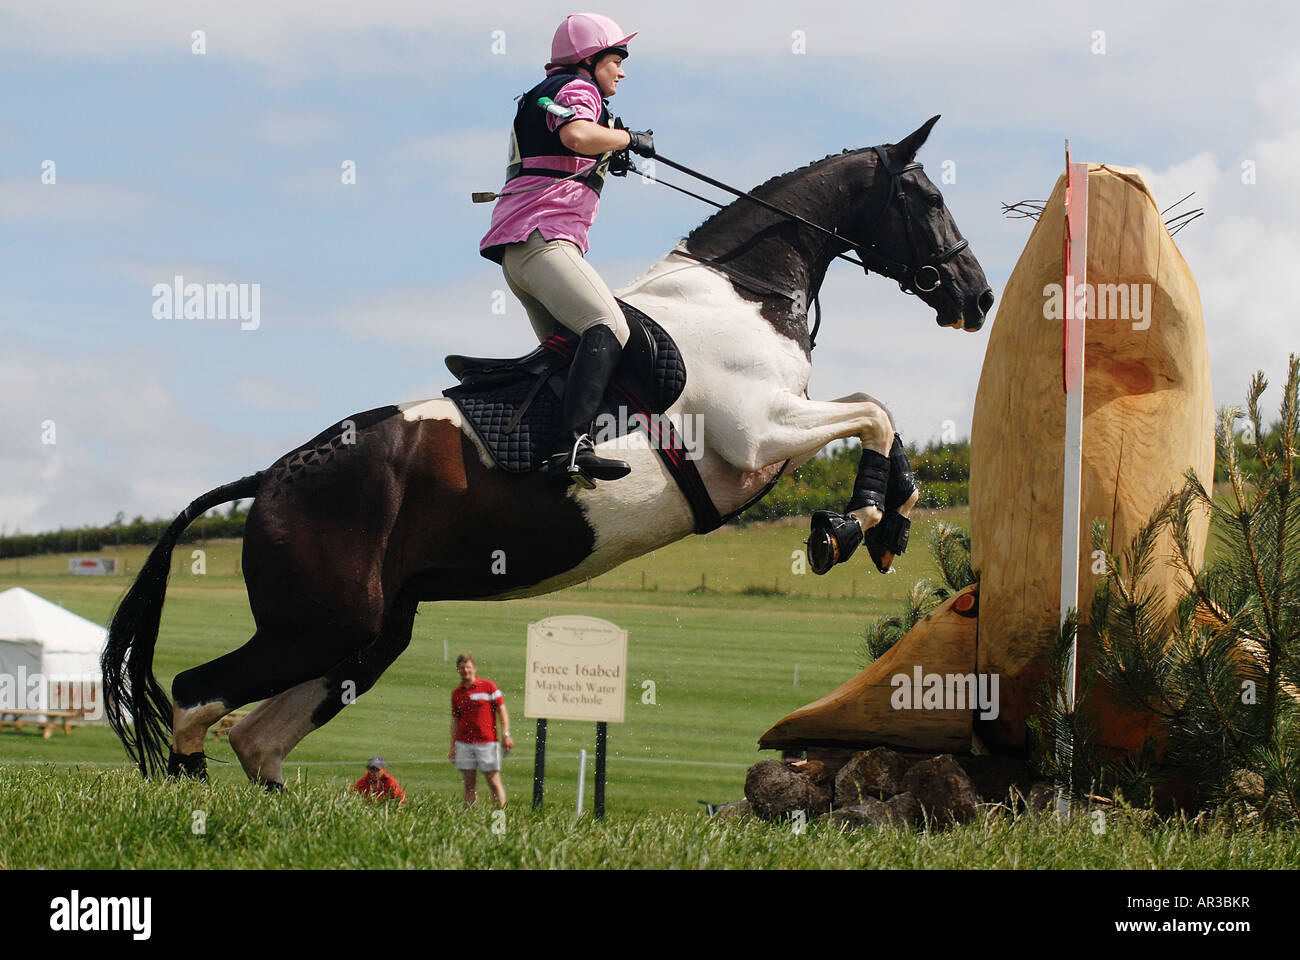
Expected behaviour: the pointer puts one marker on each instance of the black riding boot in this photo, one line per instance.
(575, 457)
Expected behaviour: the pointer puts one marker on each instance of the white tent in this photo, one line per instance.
(49, 657)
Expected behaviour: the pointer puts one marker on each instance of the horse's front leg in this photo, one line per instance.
(795, 428)
(884, 489)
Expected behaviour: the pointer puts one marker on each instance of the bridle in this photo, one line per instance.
(911, 278)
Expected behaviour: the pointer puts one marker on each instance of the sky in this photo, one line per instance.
(223, 164)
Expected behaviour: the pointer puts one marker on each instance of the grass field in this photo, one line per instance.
(727, 661)
(726, 664)
(110, 820)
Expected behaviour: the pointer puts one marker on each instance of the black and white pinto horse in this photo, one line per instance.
(347, 535)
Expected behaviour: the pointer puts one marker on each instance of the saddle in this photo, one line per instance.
(513, 405)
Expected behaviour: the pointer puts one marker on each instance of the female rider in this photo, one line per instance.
(559, 156)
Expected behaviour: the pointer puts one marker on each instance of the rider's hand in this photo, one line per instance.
(641, 142)
(451, 754)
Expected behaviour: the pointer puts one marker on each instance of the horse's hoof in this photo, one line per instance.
(887, 539)
(832, 540)
(190, 765)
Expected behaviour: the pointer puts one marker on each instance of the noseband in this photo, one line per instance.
(923, 274)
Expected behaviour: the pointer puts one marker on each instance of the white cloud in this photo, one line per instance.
(458, 317)
(291, 128)
(265, 394)
(28, 199)
(1242, 253)
(457, 161)
(119, 444)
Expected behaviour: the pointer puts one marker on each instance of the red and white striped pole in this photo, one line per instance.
(1075, 313)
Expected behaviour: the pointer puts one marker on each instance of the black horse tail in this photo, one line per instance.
(127, 662)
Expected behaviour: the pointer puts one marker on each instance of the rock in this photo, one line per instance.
(775, 790)
(874, 773)
(944, 791)
(1041, 798)
(814, 770)
(899, 811)
(832, 758)
(730, 811)
(868, 813)
(904, 809)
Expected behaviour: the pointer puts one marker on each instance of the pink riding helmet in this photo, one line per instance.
(582, 34)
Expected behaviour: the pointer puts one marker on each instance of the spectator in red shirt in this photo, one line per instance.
(378, 784)
(476, 705)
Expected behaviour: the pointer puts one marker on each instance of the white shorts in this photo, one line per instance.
(478, 756)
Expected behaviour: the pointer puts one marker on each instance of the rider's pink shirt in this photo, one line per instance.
(564, 210)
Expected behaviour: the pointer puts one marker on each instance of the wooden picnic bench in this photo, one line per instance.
(222, 727)
(53, 718)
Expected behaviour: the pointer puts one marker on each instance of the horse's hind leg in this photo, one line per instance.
(271, 662)
(264, 738)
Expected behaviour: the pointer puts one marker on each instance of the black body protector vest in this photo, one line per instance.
(530, 136)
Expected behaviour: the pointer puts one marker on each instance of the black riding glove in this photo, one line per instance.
(643, 142)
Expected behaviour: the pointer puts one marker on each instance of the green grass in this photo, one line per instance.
(723, 663)
(110, 820)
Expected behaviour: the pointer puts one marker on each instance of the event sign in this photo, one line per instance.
(576, 670)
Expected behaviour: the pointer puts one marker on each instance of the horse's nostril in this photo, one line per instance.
(986, 301)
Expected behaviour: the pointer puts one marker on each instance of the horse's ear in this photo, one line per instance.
(907, 148)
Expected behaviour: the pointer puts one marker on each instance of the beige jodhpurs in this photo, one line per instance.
(557, 286)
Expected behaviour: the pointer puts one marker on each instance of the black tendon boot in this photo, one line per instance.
(888, 538)
(575, 457)
(193, 765)
(835, 536)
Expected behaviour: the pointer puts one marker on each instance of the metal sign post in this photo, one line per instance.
(602, 740)
(539, 764)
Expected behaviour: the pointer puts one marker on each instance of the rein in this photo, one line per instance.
(907, 276)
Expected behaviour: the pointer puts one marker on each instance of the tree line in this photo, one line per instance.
(138, 532)
(826, 481)
(823, 483)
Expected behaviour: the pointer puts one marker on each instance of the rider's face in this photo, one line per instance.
(608, 73)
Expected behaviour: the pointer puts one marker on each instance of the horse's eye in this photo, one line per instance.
(936, 201)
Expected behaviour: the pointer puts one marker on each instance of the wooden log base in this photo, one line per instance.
(860, 713)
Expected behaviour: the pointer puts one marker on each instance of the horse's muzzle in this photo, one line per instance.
(972, 313)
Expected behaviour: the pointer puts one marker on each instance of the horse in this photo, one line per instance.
(351, 531)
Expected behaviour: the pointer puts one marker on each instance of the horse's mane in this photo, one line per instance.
(772, 182)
